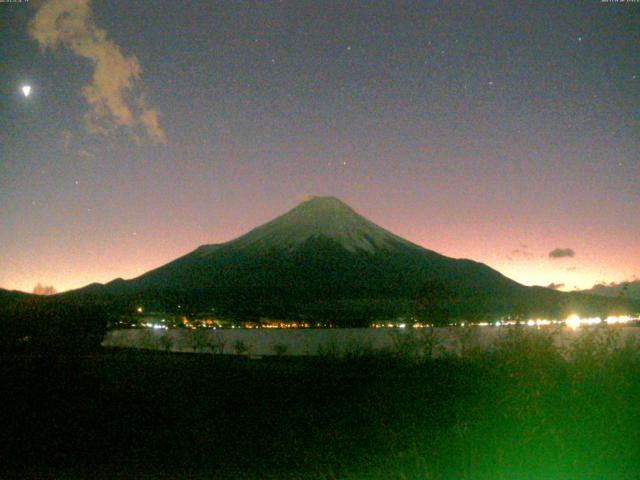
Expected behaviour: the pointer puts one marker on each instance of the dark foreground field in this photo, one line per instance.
(522, 412)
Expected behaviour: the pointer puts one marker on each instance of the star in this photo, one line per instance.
(26, 90)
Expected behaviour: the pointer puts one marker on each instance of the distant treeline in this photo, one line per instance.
(46, 325)
(435, 302)
(72, 322)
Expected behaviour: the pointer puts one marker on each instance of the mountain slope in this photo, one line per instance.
(629, 290)
(11, 296)
(320, 248)
(322, 259)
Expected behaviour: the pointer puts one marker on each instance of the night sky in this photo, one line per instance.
(505, 132)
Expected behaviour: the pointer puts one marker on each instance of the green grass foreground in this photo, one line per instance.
(522, 411)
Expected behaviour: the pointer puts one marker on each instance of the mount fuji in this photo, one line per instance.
(322, 259)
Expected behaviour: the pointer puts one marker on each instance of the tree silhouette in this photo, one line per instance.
(432, 303)
(52, 325)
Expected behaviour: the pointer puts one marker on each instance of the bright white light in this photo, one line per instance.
(573, 321)
(26, 90)
(592, 320)
(619, 319)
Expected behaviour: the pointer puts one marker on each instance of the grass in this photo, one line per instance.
(524, 410)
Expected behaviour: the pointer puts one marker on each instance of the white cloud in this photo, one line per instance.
(70, 24)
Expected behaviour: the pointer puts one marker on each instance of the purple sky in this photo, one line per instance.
(497, 131)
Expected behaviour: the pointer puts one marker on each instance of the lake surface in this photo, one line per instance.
(338, 341)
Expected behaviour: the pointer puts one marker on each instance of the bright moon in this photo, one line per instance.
(26, 90)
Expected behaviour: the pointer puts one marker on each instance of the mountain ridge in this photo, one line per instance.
(630, 289)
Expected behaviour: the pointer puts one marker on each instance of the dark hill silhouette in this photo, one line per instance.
(630, 290)
(10, 296)
(50, 324)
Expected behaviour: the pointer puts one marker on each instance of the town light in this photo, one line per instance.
(573, 322)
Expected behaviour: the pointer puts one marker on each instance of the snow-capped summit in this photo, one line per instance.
(317, 217)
